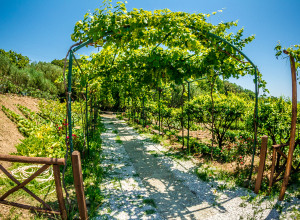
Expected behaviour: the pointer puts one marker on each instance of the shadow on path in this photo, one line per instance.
(172, 198)
(176, 192)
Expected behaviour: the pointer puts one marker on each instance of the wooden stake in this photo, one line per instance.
(59, 193)
(272, 168)
(78, 182)
(262, 160)
(293, 129)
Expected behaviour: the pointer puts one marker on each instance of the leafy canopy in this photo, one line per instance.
(148, 49)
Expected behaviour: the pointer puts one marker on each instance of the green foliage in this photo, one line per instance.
(60, 63)
(25, 126)
(292, 50)
(150, 211)
(93, 171)
(132, 61)
(46, 137)
(150, 202)
(46, 142)
(274, 118)
(16, 58)
(229, 87)
(204, 173)
(118, 140)
(30, 115)
(37, 79)
(226, 110)
(50, 72)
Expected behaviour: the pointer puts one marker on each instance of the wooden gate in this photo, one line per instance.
(279, 161)
(47, 162)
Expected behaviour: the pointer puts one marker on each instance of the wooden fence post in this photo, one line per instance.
(262, 160)
(78, 183)
(36, 160)
(59, 192)
(293, 128)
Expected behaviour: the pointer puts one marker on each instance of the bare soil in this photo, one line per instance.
(9, 134)
(9, 138)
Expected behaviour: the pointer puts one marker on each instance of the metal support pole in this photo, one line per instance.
(159, 109)
(69, 100)
(188, 134)
(182, 118)
(87, 116)
(255, 125)
(256, 97)
(133, 111)
(144, 124)
(128, 110)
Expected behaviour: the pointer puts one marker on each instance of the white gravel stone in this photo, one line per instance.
(230, 203)
(124, 190)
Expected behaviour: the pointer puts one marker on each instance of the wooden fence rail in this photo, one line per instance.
(38, 160)
(47, 162)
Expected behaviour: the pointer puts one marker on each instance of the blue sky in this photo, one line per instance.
(41, 29)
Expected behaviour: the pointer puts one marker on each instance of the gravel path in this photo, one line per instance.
(145, 184)
(124, 192)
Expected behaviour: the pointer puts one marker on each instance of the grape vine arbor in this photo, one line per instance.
(194, 48)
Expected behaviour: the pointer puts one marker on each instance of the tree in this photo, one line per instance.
(16, 58)
(226, 110)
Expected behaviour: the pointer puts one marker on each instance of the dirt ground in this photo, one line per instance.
(9, 138)
(9, 134)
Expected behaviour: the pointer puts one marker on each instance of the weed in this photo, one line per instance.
(118, 139)
(242, 204)
(176, 155)
(154, 153)
(150, 211)
(222, 187)
(295, 213)
(139, 196)
(278, 207)
(204, 173)
(149, 202)
(156, 138)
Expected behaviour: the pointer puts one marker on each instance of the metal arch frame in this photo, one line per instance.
(189, 83)
(189, 97)
(69, 90)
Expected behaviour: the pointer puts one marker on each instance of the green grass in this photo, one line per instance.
(154, 153)
(150, 211)
(118, 139)
(92, 175)
(204, 174)
(149, 202)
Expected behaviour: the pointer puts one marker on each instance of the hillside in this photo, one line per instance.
(9, 134)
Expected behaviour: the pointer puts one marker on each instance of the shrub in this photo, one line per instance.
(226, 110)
